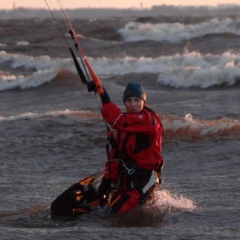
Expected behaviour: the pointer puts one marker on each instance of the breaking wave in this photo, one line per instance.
(190, 128)
(175, 127)
(51, 114)
(190, 69)
(176, 32)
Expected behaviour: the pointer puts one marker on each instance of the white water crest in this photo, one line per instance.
(196, 128)
(193, 69)
(175, 32)
(36, 79)
(189, 69)
(22, 43)
(40, 70)
(49, 114)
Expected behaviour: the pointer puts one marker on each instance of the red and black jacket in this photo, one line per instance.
(139, 135)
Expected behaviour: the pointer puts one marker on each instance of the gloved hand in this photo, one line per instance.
(103, 191)
(91, 86)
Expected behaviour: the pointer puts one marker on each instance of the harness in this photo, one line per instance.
(129, 167)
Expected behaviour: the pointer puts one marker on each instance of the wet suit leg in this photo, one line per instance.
(140, 188)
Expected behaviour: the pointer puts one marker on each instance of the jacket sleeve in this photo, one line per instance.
(143, 122)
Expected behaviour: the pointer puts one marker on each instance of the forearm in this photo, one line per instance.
(105, 97)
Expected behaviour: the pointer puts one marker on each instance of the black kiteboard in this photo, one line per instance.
(79, 198)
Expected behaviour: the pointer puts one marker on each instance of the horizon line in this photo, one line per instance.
(14, 7)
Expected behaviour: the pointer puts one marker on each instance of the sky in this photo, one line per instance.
(8, 4)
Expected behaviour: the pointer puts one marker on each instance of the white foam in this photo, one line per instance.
(55, 113)
(193, 69)
(36, 79)
(43, 68)
(22, 43)
(190, 69)
(175, 32)
(168, 202)
(200, 128)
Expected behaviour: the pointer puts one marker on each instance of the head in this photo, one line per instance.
(134, 97)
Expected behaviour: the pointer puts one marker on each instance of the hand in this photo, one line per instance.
(91, 86)
(103, 191)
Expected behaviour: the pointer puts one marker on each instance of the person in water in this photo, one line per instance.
(132, 171)
(136, 161)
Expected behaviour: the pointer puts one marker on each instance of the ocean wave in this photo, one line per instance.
(19, 81)
(190, 128)
(50, 115)
(175, 32)
(35, 71)
(175, 126)
(193, 69)
(22, 43)
(189, 69)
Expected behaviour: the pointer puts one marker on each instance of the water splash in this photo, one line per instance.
(168, 202)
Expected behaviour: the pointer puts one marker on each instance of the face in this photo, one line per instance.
(134, 104)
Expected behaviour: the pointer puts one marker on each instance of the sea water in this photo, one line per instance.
(52, 132)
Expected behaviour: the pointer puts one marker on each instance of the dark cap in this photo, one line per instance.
(134, 90)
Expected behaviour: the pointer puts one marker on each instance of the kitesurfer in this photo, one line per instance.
(135, 162)
(132, 172)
